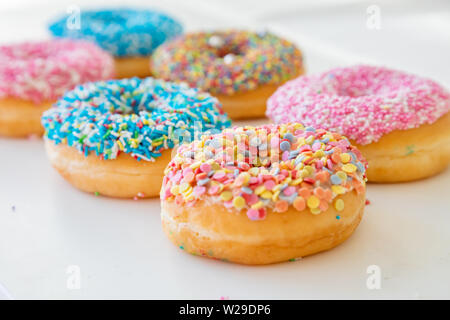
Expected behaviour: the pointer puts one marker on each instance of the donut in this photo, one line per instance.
(260, 195)
(34, 74)
(241, 68)
(114, 137)
(129, 35)
(399, 121)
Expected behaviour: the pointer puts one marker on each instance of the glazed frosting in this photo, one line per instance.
(361, 102)
(141, 117)
(122, 32)
(43, 71)
(227, 62)
(271, 167)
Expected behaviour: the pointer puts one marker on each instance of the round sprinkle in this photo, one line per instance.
(253, 214)
(281, 206)
(313, 202)
(349, 167)
(199, 190)
(226, 196)
(239, 202)
(339, 204)
(285, 146)
(269, 184)
(335, 179)
(342, 175)
(299, 204)
(338, 189)
(345, 157)
(205, 167)
(184, 187)
(289, 191)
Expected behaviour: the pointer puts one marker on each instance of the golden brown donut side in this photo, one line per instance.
(124, 177)
(406, 155)
(21, 118)
(132, 67)
(279, 237)
(249, 104)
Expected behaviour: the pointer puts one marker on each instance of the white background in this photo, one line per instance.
(46, 226)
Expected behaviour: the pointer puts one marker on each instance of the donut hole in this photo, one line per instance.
(228, 51)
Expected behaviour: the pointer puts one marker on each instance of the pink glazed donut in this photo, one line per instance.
(34, 74)
(400, 122)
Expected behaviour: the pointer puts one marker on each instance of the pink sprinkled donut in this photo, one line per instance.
(34, 74)
(400, 121)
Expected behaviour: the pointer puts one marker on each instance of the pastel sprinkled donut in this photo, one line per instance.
(33, 75)
(259, 195)
(128, 34)
(110, 137)
(399, 121)
(241, 68)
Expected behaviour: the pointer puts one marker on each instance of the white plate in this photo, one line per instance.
(51, 234)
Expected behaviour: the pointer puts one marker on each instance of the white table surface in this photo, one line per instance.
(46, 225)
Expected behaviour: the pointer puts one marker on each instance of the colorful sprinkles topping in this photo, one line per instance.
(361, 102)
(45, 70)
(227, 62)
(239, 170)
(141, 117)
(122, 32)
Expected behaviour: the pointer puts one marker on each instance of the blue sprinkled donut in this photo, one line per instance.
(121, 32)
(141, 117)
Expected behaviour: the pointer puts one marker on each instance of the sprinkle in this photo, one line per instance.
(285, 146)
(226, 196)
(266, 194)
(269, 184)
(342, 175)
(205, 167)
(255, 214)
(349, 167)
(219, 175)
(299, 204)
(313, 202)
(409, 150)
(335, 179)
(338, 189)
(184, 187)
(202, 182)
(281, 206)
(289, 191)
(345, 157)
(239, 202)
(339, 204)
(199, 190)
